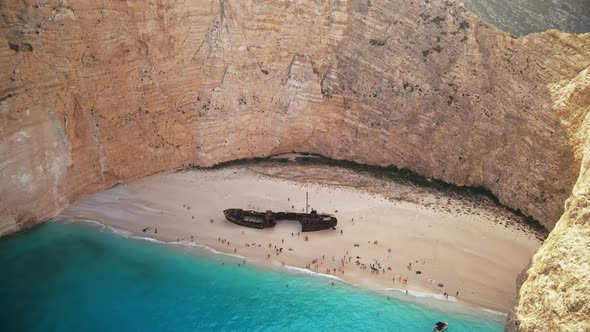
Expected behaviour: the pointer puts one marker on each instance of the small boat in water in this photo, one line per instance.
(309, 221)
(440, 326)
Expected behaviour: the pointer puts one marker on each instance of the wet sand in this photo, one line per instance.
(388, 235)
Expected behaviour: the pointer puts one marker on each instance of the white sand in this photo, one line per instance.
(467, 252)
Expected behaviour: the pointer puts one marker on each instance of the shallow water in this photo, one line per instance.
(77, 277)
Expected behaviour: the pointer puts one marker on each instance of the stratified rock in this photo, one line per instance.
(138, 89)
(555, 291)
(93, 94)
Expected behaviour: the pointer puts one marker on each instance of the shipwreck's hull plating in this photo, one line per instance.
(309, 221)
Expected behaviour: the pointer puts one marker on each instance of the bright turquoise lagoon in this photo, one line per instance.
(78, 277)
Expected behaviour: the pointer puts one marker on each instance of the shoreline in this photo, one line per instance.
(430, 300)
(448, 246)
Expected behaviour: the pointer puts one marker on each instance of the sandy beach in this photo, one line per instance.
(416, 239)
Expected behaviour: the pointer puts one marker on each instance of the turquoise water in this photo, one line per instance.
(77, 277)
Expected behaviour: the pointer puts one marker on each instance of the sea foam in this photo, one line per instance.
(157, 288)
(128, 234)
(294, 269)
(424, 294)
(309, 272)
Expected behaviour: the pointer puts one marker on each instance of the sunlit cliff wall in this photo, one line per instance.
(555, 292)
(93, 93)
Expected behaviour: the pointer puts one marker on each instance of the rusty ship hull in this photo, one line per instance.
(309, 221)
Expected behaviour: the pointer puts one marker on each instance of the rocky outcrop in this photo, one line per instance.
(123, 91)
(555, 291)
(93, 94)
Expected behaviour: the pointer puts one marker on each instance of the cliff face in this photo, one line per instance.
(92, 94)
(95, 95)
(555, 291)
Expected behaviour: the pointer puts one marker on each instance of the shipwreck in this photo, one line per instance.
(309, 221)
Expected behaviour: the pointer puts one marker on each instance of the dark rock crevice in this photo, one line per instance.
(20, 47)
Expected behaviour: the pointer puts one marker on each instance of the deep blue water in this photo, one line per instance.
(76, 277)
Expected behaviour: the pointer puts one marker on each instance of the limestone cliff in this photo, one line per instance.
(555, 295)
(93, 93)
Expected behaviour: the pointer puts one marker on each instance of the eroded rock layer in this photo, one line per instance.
(95, 93)
(555, 291)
